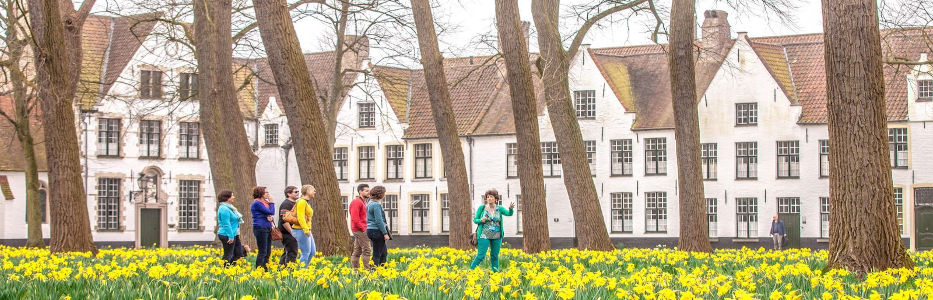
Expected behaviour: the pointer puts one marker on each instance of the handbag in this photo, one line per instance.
(473, 239)
(276, 234)
(291, 216)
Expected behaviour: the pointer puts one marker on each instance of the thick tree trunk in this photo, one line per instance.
(56, 28)
(457, 183)
(514, 47)
(864, 234)
(314, 154)
(694, 230)
(232, 161)
(590, 226)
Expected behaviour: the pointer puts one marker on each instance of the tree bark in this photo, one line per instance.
(232, 161)
(694, 230)
(56, 29)
(513, 43)
(590, 226)
(864, 235)
(331, 103)
(313, 153)
(457, 183)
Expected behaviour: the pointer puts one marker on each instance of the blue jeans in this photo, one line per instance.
(481, 246)
(264, 243)
(305, 246)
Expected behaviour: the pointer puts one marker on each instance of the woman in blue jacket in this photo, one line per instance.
(489, 232)
(376, 229)
(262, 210)
(228, 227)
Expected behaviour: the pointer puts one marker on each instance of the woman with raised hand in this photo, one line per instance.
(489, 233)
(376, 229)
(263, 211)
(228, 227)
(302, 230)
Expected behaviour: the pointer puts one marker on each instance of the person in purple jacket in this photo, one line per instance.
(262, 211)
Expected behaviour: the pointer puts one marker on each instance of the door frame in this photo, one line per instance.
(910, 203)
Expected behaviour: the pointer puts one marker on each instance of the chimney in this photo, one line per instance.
(358, 45)
(716, 31)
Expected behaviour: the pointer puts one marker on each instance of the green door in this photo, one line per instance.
(149, 227)
(923, 218)
(792, 228)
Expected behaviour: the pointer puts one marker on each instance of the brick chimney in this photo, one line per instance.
(715, 29)
(359, 47)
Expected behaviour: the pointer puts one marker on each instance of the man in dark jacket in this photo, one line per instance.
(288, 241)
(777, 232)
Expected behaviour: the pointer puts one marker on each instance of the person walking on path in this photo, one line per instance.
(263, 212)
(778, 233)
(228, 228)
(362, 247)
(289, 242)
(489, 232)
(302, 230)
(376, 229)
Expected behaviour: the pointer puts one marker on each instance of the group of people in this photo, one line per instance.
(367, 223)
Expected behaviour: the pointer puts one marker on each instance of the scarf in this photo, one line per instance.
(236, 212)
(263, 201)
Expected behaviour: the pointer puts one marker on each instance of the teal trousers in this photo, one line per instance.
(481, 246)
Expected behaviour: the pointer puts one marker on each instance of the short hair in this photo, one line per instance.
(360, 187)
(290, 189)
(258, 192)
(306, 188)
(492, 192)
(225, 195)
(377, 192)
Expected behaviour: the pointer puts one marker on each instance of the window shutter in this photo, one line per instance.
(144, 84)
(183, 87)
(156, 84)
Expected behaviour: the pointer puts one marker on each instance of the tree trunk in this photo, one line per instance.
(694, 230)
(457, 183)
(33, 204)
(56, 29)
(314, 155)
(331, 103)
(590, 227)
(232, 161)
(513, 43)
(864, 234)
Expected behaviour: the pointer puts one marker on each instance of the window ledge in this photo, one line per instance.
(190, 159)
(366, 127)
(199, 230)
(420, 233)
(511, 177)
(745, 240)
(713, 240)
(791, 177)
(620, 175)
(151, 157)
(746, 125)
(110, 230)
(656, 174)
(710, 179)
(109, 156)
(899, 168)
(924, 99)
(394, 180)
(822, 240)
(749, 178)
(656, 232)
(366, 180)
(621, 232)
(270, 145)
(422, 179)
(824, 177)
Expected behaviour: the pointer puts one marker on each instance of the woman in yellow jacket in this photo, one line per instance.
(302, 230)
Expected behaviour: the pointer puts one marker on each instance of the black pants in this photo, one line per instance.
(232, 251)
(380, 252)
(290, 253)
(264, 243)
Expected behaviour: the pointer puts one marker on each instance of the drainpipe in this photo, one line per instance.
(470, 145)
(287, 147)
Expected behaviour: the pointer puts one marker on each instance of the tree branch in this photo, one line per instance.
(239, 35)
(578, 38)
(84, 10)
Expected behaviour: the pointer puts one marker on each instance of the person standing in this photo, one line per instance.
(228, 228)
(302, 230)
(778, 233)
(263, 212)
(376, 229)
(489, 232)
(289, 242)
(361, 247)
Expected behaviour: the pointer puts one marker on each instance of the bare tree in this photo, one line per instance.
(56, 30)
(864, 234)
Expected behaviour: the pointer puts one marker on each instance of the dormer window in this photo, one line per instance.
(367, 115)
(188, 86)
(150, 84)
(925, 90)
(746, 114)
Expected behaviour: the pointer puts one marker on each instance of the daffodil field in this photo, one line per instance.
(443, 273)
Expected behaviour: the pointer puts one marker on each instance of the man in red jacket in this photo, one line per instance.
(361, 246)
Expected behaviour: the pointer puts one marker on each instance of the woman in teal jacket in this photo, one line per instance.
(228, 227)
(489, 232)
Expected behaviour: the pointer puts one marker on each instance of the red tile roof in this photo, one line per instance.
(12, 158)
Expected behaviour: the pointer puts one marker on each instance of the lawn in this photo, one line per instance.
(443, 273)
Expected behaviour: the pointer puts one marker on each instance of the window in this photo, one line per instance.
(189, 140)
(824, 158)
(788, 159)
(395, 155)
(390, 205)
(150, 138)
(518, 213)
(656, 156)
(712, 217)
(445, 213)
(585, 104)
(788, 205)
(43, 207)
(367, 162)
(150, 84)
(108, 137)
(189, 199)
(897, 138)
(746, 114)
(340, 162)
(621, 212)
(108, 203)
(746, 160)
(709, 160)
(272, 134)
(423, 161)
(621, 157)
(346, 206)
(746, 217)
(824, 217)
(511, 160)
(656, 212)
(925, 89)
(367, 115)
(550, 159)
(420, 213)
(188, 86)
(590, 147)
(899, 204)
